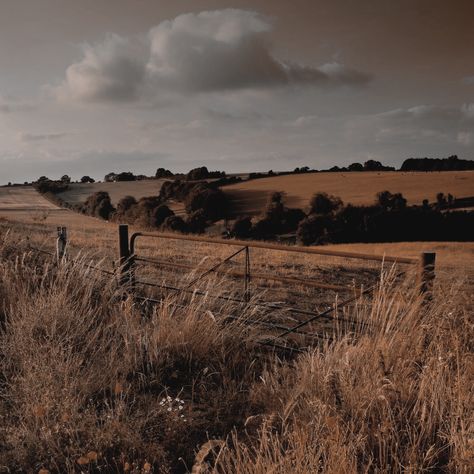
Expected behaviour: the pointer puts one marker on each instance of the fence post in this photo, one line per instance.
(125, 258)
(247, 275)
(61, 243)
(427, 273)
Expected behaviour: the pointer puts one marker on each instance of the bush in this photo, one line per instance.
(197, 221)
(176, 189)
(314, 229)
(277, 219)
(213, 202)
(175, 223)
(99, 205)
(242, 227)
(159, 215)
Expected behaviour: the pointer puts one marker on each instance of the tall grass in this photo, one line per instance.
(93, 381)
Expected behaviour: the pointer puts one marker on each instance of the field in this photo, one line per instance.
(79, 192)
(95, 381)
(354, 188)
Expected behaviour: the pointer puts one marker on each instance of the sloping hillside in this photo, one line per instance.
(356, 188)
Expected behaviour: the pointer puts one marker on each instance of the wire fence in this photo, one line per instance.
(283, 320)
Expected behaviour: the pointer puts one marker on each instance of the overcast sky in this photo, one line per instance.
(93, 86)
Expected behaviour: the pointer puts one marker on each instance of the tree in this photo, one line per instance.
(213, 202)
(355, 167)
(389, 201)
(110, 177)
(65, 179)
(441, 201)
(373, 165)
(125, 204)
(87, 179)
(314, 229)
(163, 173)
(324, 204)
(125, 176)
(241, 228)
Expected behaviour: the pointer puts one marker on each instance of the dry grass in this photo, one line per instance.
(79, 192)
(354, 188)
(85, 375)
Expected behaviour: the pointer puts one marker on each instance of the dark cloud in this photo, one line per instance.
(208, 51)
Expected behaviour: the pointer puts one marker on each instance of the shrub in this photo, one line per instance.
(159, 215)
(197, 221)
(213, 202)
(142, 212)
(277, 219)
(314, 229)
(99, 205)
(176, 189)
(175, 223)
(242, 227)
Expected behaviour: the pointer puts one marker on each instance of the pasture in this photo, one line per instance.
(358, 188)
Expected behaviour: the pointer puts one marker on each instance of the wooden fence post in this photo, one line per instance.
(125, 258)
(61, 243)
(427, 272)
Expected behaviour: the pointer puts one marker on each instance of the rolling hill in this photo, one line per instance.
(249, 197)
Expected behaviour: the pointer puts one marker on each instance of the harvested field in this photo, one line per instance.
(354, 188)
(22, 198)
(79, 192)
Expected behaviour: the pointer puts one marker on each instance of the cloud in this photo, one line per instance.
(33, 137)
(12, 104)
(204, 52)
(112, 70)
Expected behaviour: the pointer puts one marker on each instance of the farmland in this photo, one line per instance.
(355, 188)
(79, 192)
(98, 382)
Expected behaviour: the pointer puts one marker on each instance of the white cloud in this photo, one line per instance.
(112, 70)
(208, 51)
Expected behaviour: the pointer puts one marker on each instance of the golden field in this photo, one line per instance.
(353, 188)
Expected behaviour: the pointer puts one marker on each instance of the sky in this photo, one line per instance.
(93, 86)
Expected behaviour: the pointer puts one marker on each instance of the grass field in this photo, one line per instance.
(93, 381)
(354, 188)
